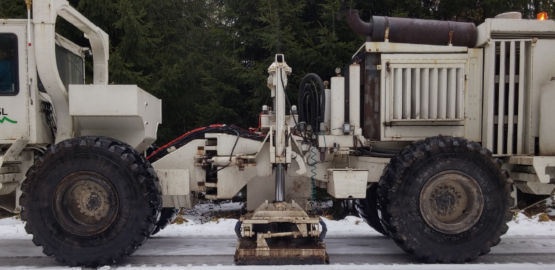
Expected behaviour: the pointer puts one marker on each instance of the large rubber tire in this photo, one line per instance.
(457, 222)
(167, 216)
(368, 209)
(90, 201)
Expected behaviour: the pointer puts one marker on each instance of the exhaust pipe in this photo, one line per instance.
(417, 31)
(357, 24)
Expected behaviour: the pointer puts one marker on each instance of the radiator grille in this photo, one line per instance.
(505, 95)
(427, 92)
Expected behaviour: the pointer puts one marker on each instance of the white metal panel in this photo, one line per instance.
(496, 28)
(511, 98)
(421, 94)
(547, 112)
(422, 90)
(347, 183)
(392, 47)
(471, 85)
(373, 165)
(460, 93)
(442, 94)
(415, 132)
(124, 112)
(174, 181)
(425, 100)
(184, 158)
(489, 95)
(227, 143)
(501, 101)
(540, 72)
(398, 93)
(407, 90)
(507, 88)
(354, 96)
(433, 114)
(521, 83)
(416, 94)
(327, 109)
(337, 105)
(14, 109)
(452, 94)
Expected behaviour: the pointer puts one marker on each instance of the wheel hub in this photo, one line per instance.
(91, 199)
(451, 202)
(86, 203)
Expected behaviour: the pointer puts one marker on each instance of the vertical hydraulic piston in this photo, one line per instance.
(277, 82)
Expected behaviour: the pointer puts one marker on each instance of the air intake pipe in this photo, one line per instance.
(417, 31)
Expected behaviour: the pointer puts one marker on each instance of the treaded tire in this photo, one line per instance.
(167, 216)
(368, 209)
(131, 180)
(399, 193)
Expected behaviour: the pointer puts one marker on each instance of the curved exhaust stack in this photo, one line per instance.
(357, 24)
(417, 31)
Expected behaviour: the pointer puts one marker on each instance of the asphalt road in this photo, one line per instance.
(161, 251)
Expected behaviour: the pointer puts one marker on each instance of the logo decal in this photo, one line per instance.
(5, 118)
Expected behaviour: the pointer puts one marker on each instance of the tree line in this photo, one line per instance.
(207, 59)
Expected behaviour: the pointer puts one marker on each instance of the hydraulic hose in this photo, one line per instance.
(312, 101)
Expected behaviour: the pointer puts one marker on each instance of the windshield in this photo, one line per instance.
(8, 64)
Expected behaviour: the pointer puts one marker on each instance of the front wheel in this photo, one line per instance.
(444, 199)
(90, 201)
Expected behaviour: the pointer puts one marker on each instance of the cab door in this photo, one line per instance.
(14, 94)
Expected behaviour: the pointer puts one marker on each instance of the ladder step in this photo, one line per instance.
(211, 197)
(9, 177)
(9, 169)
(11, 163)
(211, 185)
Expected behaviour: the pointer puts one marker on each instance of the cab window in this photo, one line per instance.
(9, 83)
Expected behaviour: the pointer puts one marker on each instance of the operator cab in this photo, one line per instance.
(25, 107)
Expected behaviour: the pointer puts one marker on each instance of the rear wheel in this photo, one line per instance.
(167, 216)
(444, 199)
(90, 201)
(368, 209)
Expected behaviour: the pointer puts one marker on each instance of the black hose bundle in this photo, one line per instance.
(312, 101)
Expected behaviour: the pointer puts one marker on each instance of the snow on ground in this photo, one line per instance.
(225, 227)
(350, 226)
(221, 227)
(12, 228)
(199, 222)
(523, 225)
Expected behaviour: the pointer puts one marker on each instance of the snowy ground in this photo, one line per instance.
(345, 238)
(12, 228)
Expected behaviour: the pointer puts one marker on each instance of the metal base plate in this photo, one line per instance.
(281, 251)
